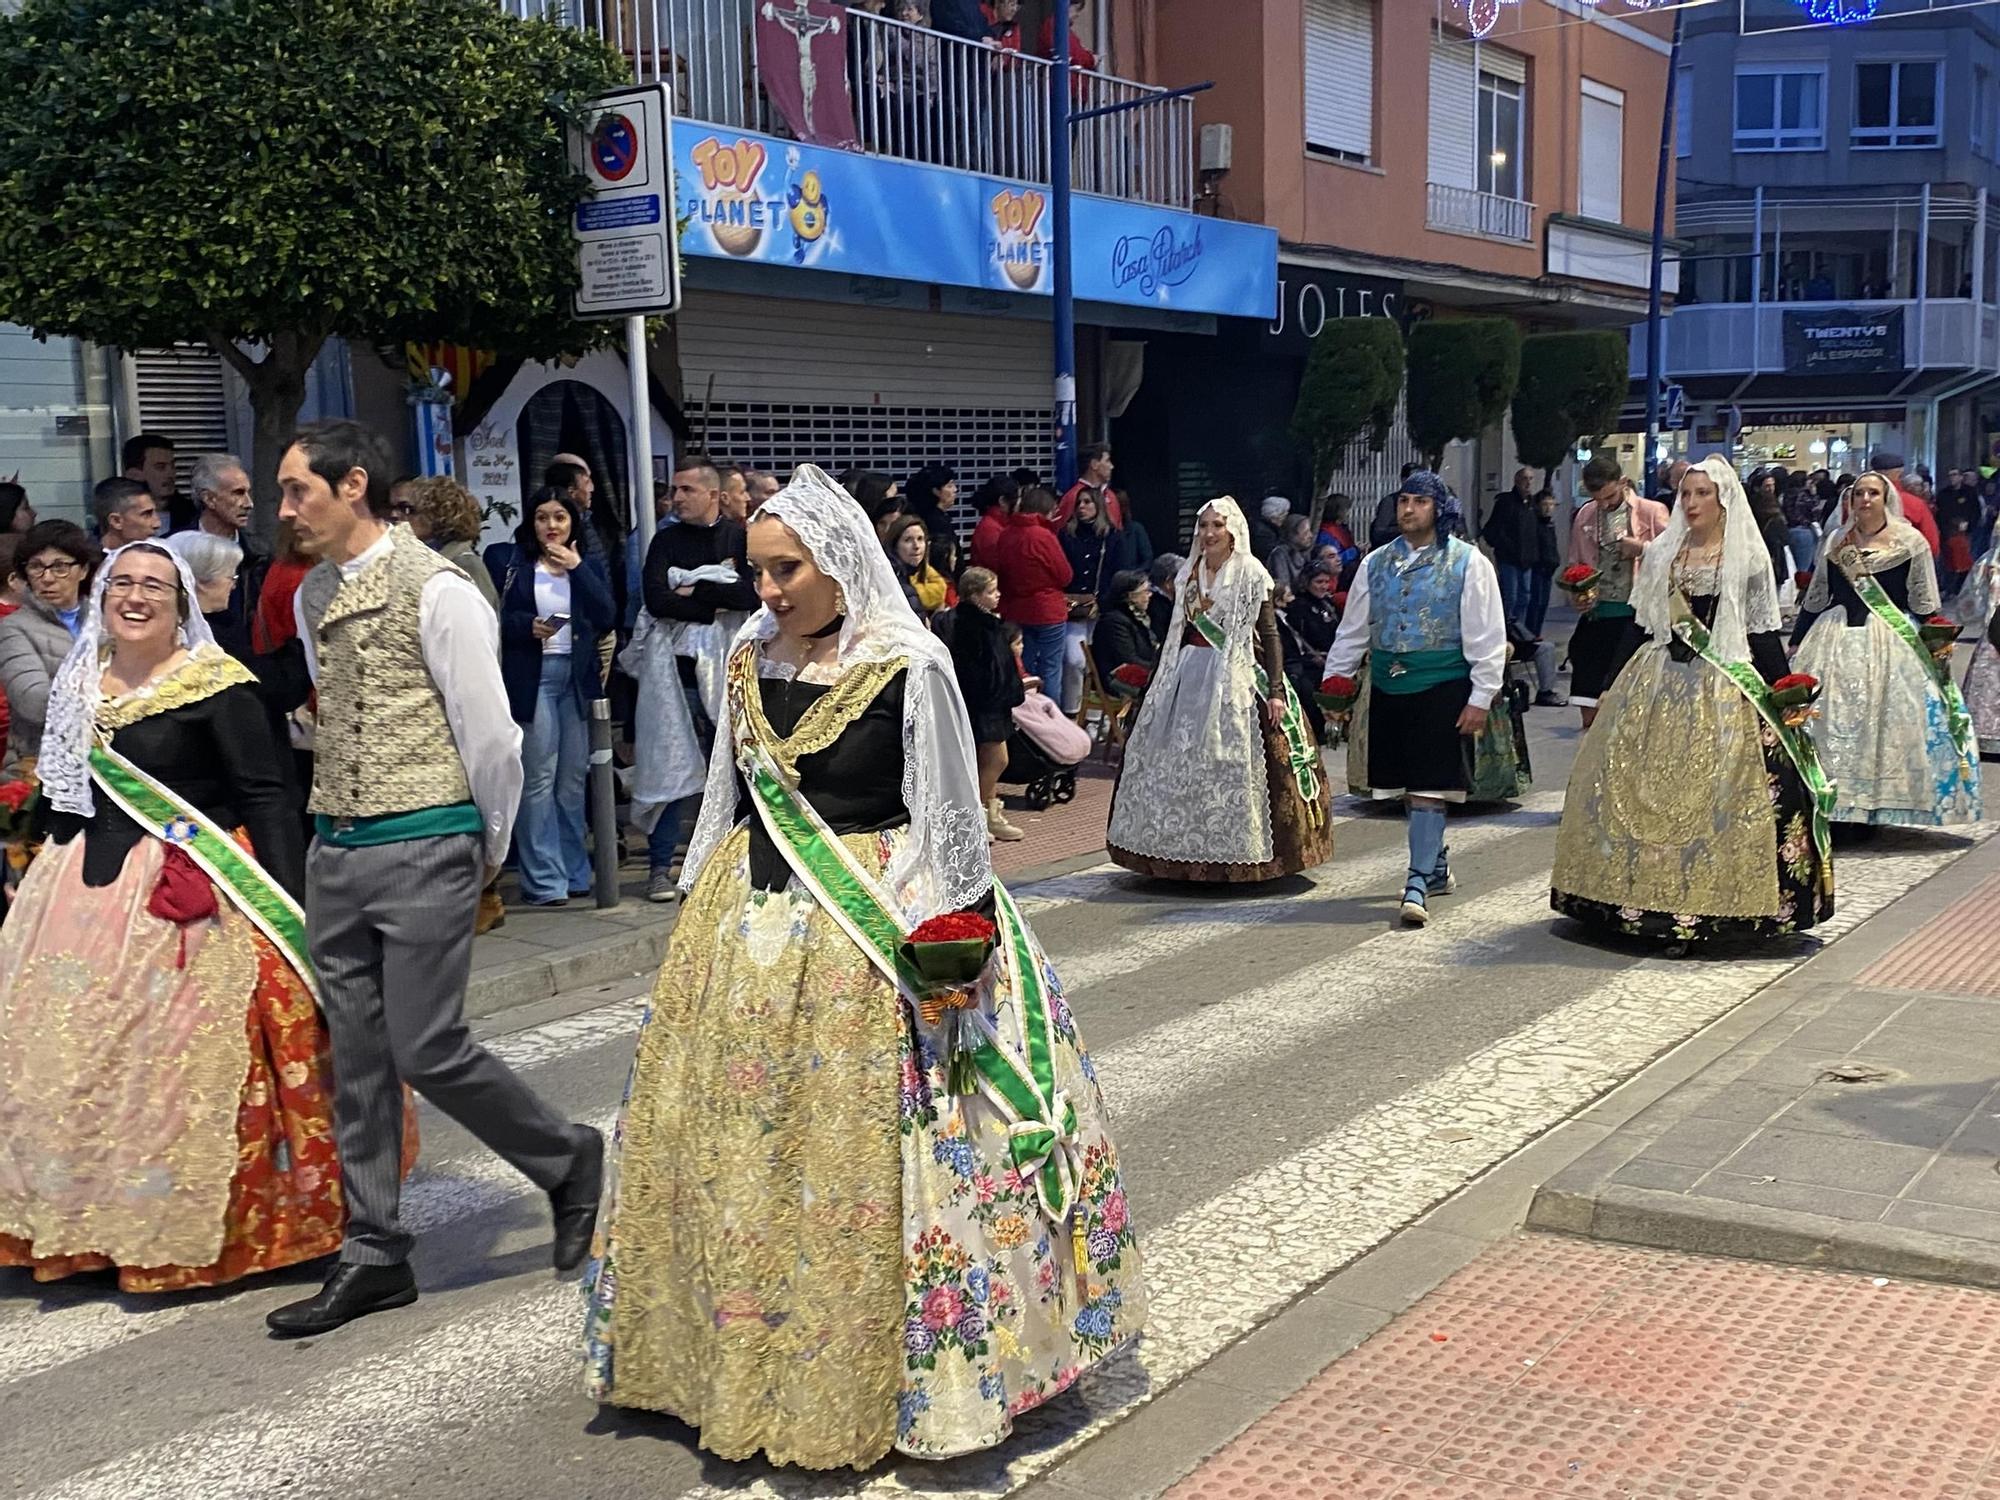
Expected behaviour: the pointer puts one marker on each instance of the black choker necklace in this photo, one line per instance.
(827, 629)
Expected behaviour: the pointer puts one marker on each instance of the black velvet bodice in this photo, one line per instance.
(855, 784)
(1895, 583)
(1767, 650)
(216, 755)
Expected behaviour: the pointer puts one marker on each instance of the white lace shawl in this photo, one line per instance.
(1896, 543)
(1749, 597)
(1236, 596)
(64, 766)
(944, 865)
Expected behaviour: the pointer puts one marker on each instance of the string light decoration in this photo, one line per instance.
(1484, 15)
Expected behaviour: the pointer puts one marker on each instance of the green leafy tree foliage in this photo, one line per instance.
(1462, 375)
(1572, 386)
(273, 173)
(1354, 373)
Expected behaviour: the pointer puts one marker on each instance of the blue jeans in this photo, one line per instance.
(1539, 580)
(555, 758)
(666, 835)
(1043, 648)
(1514, 591)
(1803, 543)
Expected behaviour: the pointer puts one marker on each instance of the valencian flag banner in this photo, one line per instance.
(802, 63)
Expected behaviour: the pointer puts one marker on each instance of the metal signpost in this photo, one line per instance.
(629, 255)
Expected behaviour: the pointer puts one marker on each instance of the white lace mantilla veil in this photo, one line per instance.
(1749, 599)
(1236, 594)
(1899, 540)
(64, 766)
(944, 865)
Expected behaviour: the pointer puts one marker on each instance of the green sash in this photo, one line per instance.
(1797, 744)
(246, 883)
(1016, 1075)
(1300, 752)
(1884, 609)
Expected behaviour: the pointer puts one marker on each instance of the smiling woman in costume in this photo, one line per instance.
(1893, 732)
(848, 1214)
(1222, 778)
(157, 1024)
(1696, 808)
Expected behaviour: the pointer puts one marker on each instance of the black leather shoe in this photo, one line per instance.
(350, 1292)
(575, 1203)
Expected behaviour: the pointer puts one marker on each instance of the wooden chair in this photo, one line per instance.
(1111, 710)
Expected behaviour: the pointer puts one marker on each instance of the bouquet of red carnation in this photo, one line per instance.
(18, 800)
(1938, 634)
(1132, 674)
(1579, 581)
(1337, 694)
(1793, 696)
(947, 953)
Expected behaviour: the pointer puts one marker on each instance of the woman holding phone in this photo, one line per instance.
(555, 605)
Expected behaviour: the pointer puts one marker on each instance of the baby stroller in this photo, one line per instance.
(1043, 752)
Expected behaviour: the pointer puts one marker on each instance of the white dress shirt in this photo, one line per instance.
(1482, 628)
(460, 637)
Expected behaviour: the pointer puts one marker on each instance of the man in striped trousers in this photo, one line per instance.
(417, 773)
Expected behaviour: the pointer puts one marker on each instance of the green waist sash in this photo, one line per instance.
(1611, 609)
(399, 827)
(1015, 1074)
(1300, 752)
(1957, 717)
(1797, 744)
(247, 885)
(1413, 671)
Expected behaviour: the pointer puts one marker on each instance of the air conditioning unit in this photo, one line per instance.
(1218, 147)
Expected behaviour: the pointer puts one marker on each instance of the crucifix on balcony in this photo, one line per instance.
(808, 31)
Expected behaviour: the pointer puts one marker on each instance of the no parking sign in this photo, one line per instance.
(626, 246)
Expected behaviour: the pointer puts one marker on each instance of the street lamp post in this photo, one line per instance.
(1655, 354)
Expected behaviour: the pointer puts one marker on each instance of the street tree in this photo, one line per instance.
(1572, 387)
(1462, 375)
(263, 175)
(1353, 378)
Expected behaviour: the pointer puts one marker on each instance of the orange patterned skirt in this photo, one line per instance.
(72, 944)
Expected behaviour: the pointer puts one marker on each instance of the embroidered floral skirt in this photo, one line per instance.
(812, 1249)
(1685, 819)
(189, 1061)
(1883, 734)
(1982, 695)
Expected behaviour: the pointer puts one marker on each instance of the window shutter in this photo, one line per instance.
(1340, 76)
(1454, 113)
(1601, 163)
(181, 396)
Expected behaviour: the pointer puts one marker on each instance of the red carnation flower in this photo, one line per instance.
(1341, 687)
(1132, 674)
(954, 927)
(1577, 574)
(1795, 681)
(1942, 620)
(16, 795)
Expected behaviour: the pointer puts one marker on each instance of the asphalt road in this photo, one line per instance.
(1292, 1079)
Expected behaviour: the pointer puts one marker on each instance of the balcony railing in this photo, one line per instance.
(1742, 338)
(1457, 210)
(918, 96)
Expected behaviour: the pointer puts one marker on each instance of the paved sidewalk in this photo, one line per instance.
(1858, 1127)
(1556, 1366)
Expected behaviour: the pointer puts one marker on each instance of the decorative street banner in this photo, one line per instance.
(1845, 341)
(754, 198)
(802, 51)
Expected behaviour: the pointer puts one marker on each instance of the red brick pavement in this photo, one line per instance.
(1957, 952)
(1060, 832)
(1555, 1366)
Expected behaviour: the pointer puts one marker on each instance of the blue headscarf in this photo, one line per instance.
(1450, 519)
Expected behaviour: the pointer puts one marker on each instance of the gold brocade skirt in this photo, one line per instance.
(1683, 817)
(813, 1249)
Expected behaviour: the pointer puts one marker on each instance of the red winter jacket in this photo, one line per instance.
(1033, 572)
(986, 537)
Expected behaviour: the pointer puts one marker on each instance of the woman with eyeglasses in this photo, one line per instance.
(165, 1108)
(53, 563)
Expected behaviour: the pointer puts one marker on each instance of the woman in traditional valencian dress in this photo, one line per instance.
(164, 1102)
(1978, 608)
(1222, 778)
(844, 1218)
(1695, 810)
(1893, 732)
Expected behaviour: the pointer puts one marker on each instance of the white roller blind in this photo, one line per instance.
(1501, 63)
(1601, 163)
(1453, 115)
(1340, 76)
